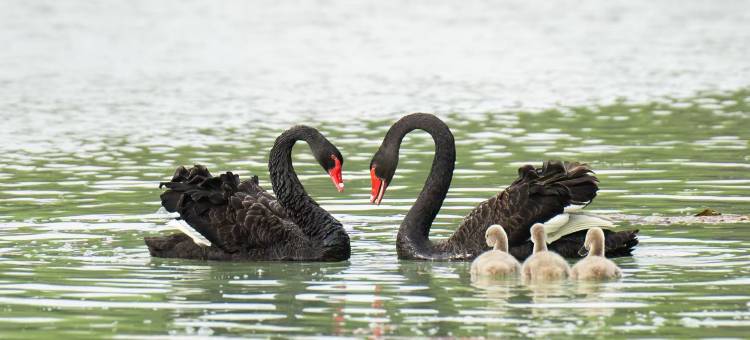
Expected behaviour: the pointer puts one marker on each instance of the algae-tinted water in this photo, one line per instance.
(101, 102)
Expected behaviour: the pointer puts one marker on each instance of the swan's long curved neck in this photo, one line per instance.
(415, 228)
(303, 210)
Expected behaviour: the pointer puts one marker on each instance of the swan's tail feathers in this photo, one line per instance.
(174, 246)
(197, 186)
(616, 243)
(620, 243)
(576, 178)
(193, 192)
(572, 180)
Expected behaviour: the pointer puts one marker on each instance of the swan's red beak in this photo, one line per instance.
(335, 173)
(378, 187)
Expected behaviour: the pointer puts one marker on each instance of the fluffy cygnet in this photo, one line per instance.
(495, 262)
(595, 266)
(543, 265)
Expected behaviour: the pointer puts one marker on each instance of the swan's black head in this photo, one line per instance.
(382, 168)
(330, 158)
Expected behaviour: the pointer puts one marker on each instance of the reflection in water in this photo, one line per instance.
(94, 118)
(497, 289)
(593, 292)
(71, 252)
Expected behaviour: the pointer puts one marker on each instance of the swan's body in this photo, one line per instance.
(595, 266)
(242, 221)
(536, 196)
(543, 265)
(495, 262)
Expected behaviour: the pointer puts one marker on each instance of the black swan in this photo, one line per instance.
(242, 221)
(536, 196)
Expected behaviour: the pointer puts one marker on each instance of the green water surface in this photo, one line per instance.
(72, 259)
(101, 100)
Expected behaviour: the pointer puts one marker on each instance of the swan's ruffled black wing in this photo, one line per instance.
(233, 215)
(540, 194)
(535, 196)
(256, 221)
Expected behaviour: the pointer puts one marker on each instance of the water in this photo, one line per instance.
(100, 102)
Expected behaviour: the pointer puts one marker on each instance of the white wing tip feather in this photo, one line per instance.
(577, 222)
(189, 231)
(574, 208)
(554, 224)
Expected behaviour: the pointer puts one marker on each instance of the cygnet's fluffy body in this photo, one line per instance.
(595, 266)
(543, 265)
(496, 262)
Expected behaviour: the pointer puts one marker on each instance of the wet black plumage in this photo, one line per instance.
(245, 222)
(537, 195)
